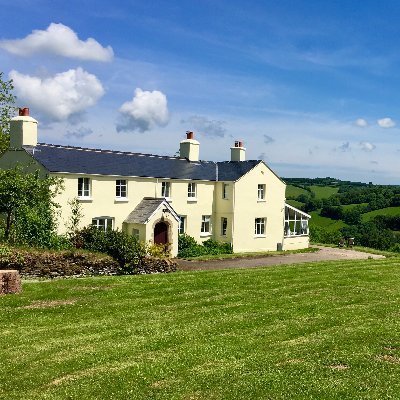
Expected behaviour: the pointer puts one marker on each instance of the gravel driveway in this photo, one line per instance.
(324, 254)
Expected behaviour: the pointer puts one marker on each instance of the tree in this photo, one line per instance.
(7, 109)
(26, 200)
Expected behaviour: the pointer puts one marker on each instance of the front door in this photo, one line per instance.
(161, 233)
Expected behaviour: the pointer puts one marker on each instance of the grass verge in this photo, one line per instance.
(312, 331)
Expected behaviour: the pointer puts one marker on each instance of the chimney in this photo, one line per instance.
(238, 152)
(189, 148)
(23, 130)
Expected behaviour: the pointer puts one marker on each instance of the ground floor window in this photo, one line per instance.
(224, 226)
(182, 224)
(206, 224)
(103, 223)
(259, 226)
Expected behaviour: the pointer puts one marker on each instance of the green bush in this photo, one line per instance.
(188, 247)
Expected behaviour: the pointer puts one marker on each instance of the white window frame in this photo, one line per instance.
(296, 222)
(224, 226)
(260, 225)
(261, 192)
(166, 189)
(205, 223)
(182, 224)
(192, 191)
(120, 186)
(84, 188)
(225, 191)
(96, 221)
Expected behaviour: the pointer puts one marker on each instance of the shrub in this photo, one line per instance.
(188, 247)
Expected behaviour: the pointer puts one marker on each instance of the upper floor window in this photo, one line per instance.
(121, 188)
(259, 226)
(192, 190)
(224, 226)
(206, 224)
(182, 224)
(165, 189)
(261, 192)
(225, 190)
(103, 223)
(83, 187)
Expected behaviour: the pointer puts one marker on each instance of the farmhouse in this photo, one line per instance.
(156, 198)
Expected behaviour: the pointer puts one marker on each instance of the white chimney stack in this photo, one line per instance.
(189, 148)
(238, 152)
(23, 130)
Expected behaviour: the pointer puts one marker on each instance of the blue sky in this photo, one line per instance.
(312, 87)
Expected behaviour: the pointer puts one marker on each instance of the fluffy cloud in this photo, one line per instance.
(60, 40)
(361, 122)
(146, 110)
(367, 146)
(386, 123)
(268, 139)
(61, 96)
(206, 126)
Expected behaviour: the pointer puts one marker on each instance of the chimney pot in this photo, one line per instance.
(189, 135)
(236, 143)
(23, 112)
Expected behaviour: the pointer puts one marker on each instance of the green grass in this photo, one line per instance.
(294, 191)
(323, 192)
(324, 222)
(383, 211)
(351, 206)
(295, 203)
(310, 331)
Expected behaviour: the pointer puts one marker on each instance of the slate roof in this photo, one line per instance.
(146, 208)
(69, 159)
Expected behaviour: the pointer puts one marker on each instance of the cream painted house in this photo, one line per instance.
(240, 201)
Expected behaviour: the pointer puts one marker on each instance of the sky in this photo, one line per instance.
(310, 86)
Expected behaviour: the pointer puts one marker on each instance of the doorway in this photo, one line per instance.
(161, 233)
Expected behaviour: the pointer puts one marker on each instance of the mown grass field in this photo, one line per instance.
(383, 211)
(323, 192)
(294, 191)
(325, 222)
(316, 331)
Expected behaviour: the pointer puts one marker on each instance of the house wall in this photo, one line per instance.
(296, 242)
(247, 208)
(223, 208)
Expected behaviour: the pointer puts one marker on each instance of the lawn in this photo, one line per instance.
(383, 211)
(311, 331)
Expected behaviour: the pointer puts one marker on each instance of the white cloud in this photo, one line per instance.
(60, 40)
(361, 122)
(61, 96)
(206, 126)
(146, 110)
(386, 123)
(367, 146)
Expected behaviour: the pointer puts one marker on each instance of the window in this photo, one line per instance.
(192, 190)
(182, 223)
(135, 233)
(224, 190)
(296, 221)
(103, 223)
(205, 224)
(224, 226)
(259, 227)
(120, 188)
(261, 192)
(83, 187)
(165, 189)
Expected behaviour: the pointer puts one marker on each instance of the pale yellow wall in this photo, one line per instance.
(223, 207)
(296, 242)
(247, 208)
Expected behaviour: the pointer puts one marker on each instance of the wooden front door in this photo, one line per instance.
(161, 233)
